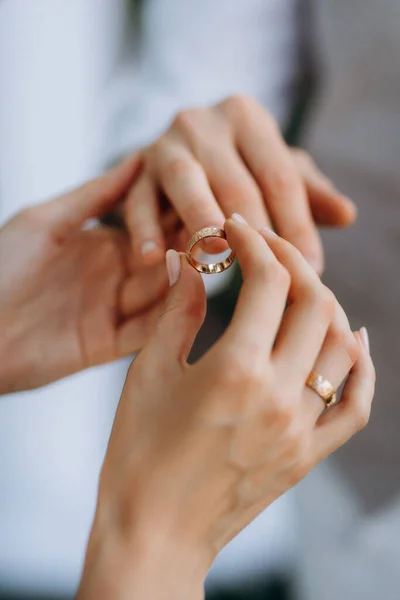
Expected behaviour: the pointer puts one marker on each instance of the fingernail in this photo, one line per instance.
(148, 247)
(173, 266)
(365, 339)
(238, 218)
(352, 207)
(268, 232)
(314, 263)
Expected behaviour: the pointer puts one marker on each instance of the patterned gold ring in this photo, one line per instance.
(208, 232)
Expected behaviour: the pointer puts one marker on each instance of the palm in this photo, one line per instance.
(80, 302)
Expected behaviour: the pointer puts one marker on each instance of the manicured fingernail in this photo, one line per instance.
(351, 206)
(314, 263)
(148, 247)
(238, 218)
(365, 338)
(268, 232)
(173, 266)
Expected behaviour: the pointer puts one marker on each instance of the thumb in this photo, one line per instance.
(184, 312)
(93, 199)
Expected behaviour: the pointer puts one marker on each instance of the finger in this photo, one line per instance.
(263, 295)
(233, 185)
(184, 182)
(183, 315)
(329, 207)
(142, 289)
(267, 157)
(69, 212)
(341, 422)
(311, 308)
(142, 217)
(337, 357)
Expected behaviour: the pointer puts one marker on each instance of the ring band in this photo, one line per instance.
(322, 387)
(203, 267)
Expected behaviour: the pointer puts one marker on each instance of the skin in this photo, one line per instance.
(71, 298)
(230, 157)
(198, 451)
(217, 441)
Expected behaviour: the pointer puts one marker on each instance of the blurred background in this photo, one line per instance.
(84, 82)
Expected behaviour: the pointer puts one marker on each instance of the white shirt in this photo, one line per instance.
(196, 52)
(55, 57)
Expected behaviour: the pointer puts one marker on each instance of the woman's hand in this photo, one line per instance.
(198, 451)
(70, 298)
(231, 157)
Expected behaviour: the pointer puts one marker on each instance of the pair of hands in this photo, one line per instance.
(220, 440)
(198, 451)
(74, 298)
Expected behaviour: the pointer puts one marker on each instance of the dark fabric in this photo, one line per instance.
(276, 588)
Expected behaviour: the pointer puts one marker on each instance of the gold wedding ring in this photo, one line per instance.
(322, 387)
(208, 232)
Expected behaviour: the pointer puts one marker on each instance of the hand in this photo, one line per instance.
(214, 161)
(199, 451)
(69, 298)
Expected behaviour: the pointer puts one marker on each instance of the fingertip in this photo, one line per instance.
(150, 252)
(130, 165)
(339, 212)
(174, 266)
(316, 264)
(350, 211)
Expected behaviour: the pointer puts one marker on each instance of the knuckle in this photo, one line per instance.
(283, 412)
(242, 108)
(303, 156)
(319, 299)
(188, 119)
(243, 374)
(238, 103)
(176, 168)
(350, 345)
(361, 414)
(281, 275)
(33, 216)
(156, 150)
(280, 182)
(278, 275)
(338, 337)
(300, 231)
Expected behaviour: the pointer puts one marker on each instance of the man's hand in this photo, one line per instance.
(229, 158)
(69, 298)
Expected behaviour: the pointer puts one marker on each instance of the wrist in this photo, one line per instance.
(141, 565)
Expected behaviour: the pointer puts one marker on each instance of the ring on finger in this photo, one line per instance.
(323, 388)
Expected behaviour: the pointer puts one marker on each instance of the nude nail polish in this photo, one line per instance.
(238, 218)
(148, 246)
(365, 339)
(173, 266)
